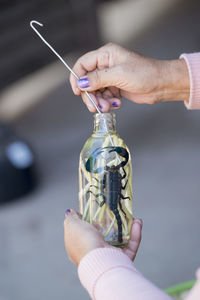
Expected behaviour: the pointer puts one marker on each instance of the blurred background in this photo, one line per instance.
(49, 125)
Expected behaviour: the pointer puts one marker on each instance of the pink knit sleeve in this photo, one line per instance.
(195, 292)
(193, 64)
(108, 274)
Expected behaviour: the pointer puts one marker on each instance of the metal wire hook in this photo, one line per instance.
(75, 75)
(62, 60)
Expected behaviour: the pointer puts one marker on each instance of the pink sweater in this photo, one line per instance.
(107, 273)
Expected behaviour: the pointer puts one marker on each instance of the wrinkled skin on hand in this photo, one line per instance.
(114, 72)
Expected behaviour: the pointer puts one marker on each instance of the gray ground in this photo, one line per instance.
(165, 146)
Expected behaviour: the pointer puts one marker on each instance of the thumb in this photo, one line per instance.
(73, 223)
(100, 79)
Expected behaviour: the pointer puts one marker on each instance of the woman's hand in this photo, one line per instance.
(81, 237)
(112, 72)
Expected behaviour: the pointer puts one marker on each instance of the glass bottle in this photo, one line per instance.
(105, 182)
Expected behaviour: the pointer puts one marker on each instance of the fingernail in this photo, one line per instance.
(100, 106)
(67, 212)
(115, 104)
(83, 83)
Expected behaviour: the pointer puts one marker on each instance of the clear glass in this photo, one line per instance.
(105, 182)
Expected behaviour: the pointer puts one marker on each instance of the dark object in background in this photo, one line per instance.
(69, 25)
(17, 166)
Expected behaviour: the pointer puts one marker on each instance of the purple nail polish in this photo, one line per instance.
(100, 106)
(83, 83)
(67, 212)
(115, 104)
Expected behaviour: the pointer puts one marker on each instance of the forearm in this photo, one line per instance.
(175, 81)
(110, 274)
(180, 80)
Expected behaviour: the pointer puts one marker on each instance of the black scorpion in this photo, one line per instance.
(111, 185)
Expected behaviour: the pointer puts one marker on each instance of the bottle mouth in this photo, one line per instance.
(104, 122)
(108, 116)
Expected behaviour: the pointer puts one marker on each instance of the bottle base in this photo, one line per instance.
(113, 240)
(118, 245)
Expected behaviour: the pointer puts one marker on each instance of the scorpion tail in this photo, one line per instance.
(119, 224)
(122, 152)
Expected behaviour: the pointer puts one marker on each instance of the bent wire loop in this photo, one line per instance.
(61, 59)
(74, 74)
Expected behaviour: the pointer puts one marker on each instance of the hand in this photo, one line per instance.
(81, 237)
(112, 72)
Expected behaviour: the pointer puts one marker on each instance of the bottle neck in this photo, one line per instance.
(104, 123)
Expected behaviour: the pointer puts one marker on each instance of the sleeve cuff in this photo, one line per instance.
(94, 264)
(193, 63)
(195, 291)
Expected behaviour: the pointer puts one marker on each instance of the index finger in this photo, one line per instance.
(97, 59)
